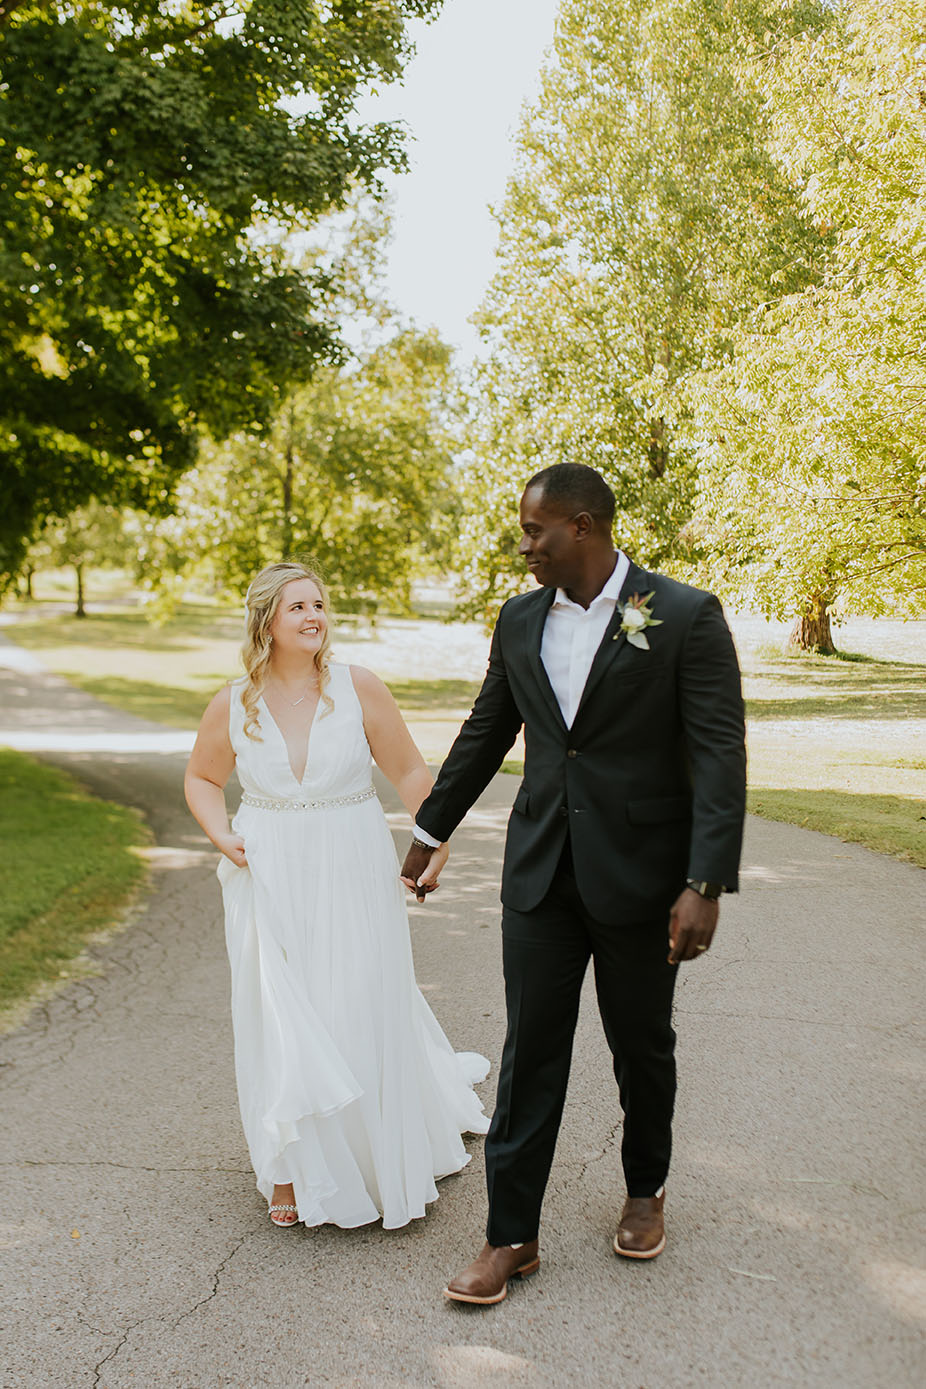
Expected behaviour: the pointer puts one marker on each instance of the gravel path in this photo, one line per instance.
(137, 1252)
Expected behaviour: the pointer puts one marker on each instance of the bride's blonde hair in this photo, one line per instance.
(261, 603)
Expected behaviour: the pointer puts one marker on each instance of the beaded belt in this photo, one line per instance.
(269, 803)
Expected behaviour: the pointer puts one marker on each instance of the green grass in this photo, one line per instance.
(70, 869)
(889, 824)
(419, 696)
(835, 743)
(815, 687)
(165, 673)
(175, 705)
(832, 743)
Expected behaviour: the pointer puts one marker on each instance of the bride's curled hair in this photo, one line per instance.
(261, 603)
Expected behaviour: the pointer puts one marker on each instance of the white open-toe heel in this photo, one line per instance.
(284, 1224)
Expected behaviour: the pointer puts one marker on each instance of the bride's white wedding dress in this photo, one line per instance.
(348, 1087)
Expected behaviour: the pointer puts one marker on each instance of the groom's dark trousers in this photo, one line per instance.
(546, 953)
(645, 789)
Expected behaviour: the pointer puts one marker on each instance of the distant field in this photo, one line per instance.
(835, 743)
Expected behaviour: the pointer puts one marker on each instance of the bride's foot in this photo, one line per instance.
(283, 1206)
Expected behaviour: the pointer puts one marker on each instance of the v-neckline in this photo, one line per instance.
(282, 736)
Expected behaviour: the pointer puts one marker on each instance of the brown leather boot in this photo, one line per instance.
(486, 1279)
(641, 1232)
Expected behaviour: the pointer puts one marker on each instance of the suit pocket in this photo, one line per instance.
(522, 801)
(659, 810)
(639, 666)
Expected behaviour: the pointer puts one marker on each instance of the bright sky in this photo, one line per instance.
(461, 98)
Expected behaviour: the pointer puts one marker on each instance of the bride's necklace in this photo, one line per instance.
(293, 703)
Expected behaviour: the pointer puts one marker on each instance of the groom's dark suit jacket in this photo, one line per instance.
(649, 781)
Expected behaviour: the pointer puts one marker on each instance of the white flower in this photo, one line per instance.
(635, 616)
(633, 621)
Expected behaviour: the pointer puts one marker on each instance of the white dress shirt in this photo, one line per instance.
(571, 636)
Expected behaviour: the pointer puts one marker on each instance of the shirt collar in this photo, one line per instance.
(610, 592)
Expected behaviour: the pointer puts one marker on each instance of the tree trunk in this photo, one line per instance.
(80, 610)
(811, 631)
(657, 449)
(25, 586)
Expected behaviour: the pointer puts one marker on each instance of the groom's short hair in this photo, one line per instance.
(575, 487)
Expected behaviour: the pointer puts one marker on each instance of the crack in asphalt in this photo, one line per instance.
(97, 1330)
(583, 1164)
(163, 1317)
(98, 1367)
(216, 1279)
(605, 1150)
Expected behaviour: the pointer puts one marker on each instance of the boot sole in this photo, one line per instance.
(524, 1272)
(640, 1253)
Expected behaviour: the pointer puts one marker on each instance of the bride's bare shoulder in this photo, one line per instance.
(217, 709)
(369, 687)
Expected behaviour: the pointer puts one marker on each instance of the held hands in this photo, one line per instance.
(692, 922)
(232, 846)
(422, 868)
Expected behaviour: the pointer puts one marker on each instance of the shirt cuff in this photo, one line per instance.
(419, 833)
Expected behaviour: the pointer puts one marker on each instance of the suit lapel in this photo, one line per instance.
(614, 640)
(533, 633)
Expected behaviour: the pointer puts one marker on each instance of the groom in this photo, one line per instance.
(624, 832)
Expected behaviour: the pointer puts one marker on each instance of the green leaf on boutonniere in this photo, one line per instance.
(637, 616)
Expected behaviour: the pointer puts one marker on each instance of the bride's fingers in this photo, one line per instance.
(420, 889)
(435, 866)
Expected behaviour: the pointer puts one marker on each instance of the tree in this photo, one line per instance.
(645, 217)
(814, 482)
(355, 470)
(144, 146)
(90, 535)
(354, 474)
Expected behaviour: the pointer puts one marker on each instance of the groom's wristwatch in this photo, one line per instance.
(709, 890)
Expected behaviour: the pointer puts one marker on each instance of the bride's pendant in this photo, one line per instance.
(294, 703)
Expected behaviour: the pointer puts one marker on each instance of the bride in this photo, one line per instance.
(352, 1099)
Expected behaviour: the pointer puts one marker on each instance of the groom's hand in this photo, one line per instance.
(692, 923)
(416, 862)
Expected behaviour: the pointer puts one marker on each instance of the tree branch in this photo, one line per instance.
(880, 568)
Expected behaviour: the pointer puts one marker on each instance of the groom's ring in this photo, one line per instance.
(700, 947)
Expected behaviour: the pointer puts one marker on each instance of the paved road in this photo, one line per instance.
(137, 1251)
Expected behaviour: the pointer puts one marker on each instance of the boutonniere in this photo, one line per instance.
(637, 617)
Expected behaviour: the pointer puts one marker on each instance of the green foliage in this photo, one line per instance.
(142, 148)
(353, 472)
(814, 468)
(94, 534)
(645, 218)
(354, 475)
(75, 869)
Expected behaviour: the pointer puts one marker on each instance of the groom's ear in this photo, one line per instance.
(584, 524)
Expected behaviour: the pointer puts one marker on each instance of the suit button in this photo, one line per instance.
(572, 753)
(564, 810)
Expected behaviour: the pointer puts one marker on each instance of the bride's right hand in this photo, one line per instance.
(232, 846)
